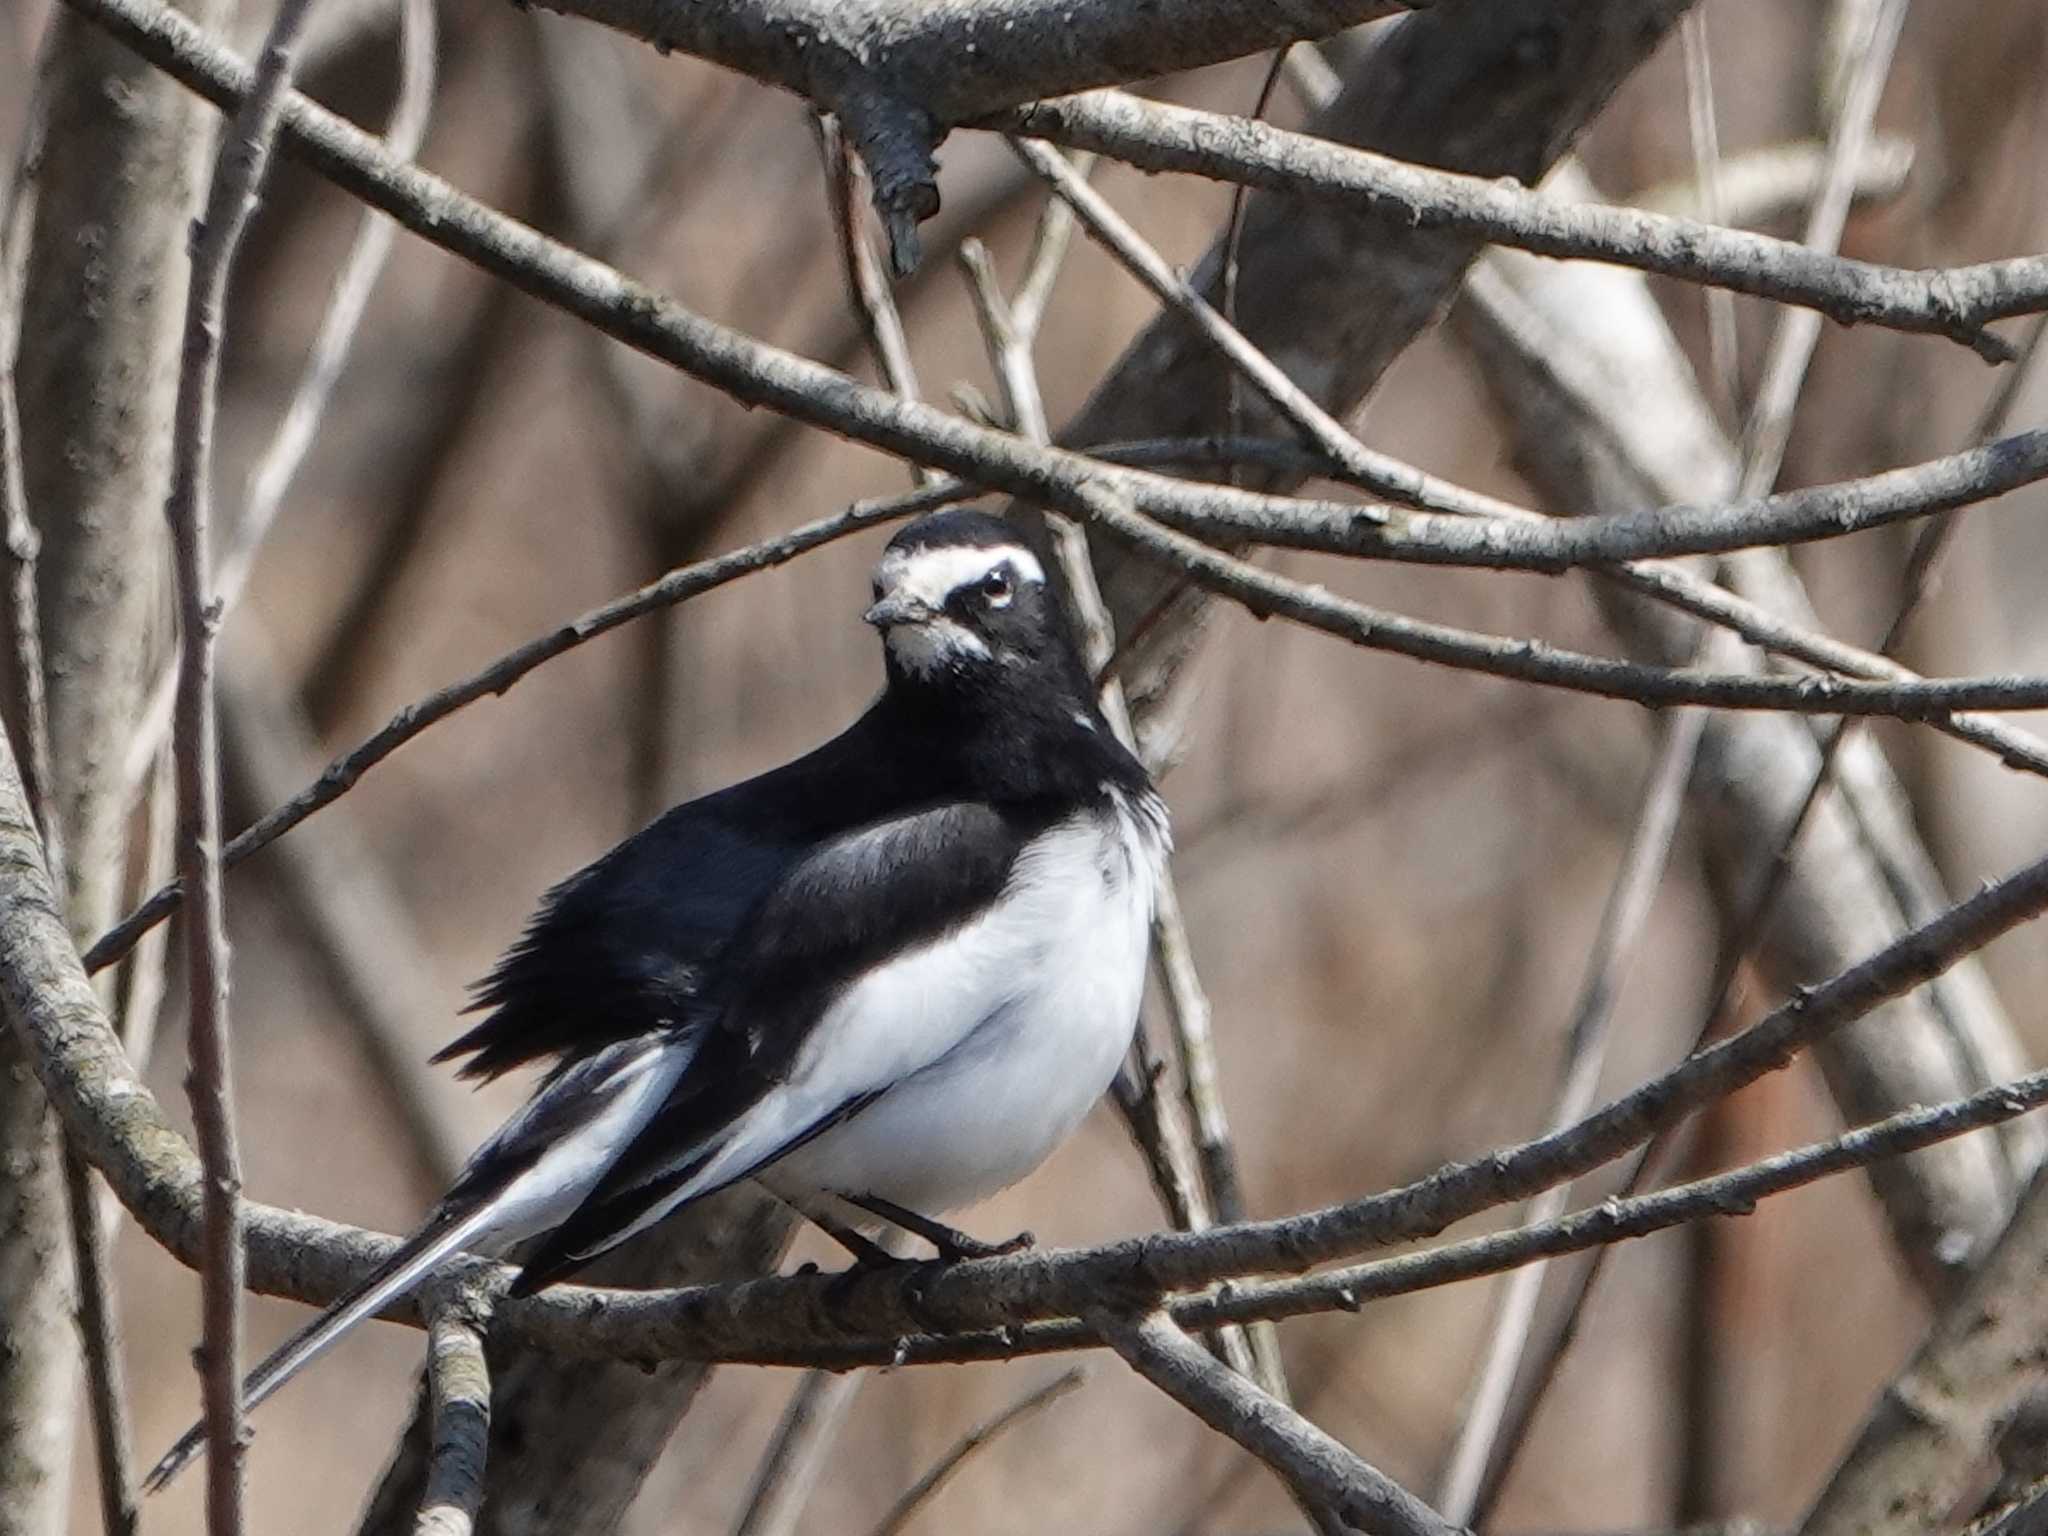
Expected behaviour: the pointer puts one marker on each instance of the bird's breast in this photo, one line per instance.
(1042, 991)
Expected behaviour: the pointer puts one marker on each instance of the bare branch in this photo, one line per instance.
(1373, 470)
(1769, 427)
(899, 76)
(1517, 540)
(1315, 1467)
(1957, 302)
(1921, 1451)
(238, 173)
(867, 289)
(459, 1382)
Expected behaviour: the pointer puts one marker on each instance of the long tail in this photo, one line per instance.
(443, 1234)
(527, 1178)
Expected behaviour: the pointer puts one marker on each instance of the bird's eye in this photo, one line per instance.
(995, 586)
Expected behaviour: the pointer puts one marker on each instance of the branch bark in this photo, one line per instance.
(1320, 1470)
(900, 75)
(230, 204)
(112, 189)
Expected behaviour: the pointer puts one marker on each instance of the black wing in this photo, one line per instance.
(842, 908)
(619, 948)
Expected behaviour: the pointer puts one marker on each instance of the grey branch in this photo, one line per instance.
(900, 75)
(238, 173)
(1319, 1470)
(459, 1389)
(1956, 301)
(1922, 1449)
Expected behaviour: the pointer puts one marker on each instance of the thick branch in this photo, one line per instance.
(1956, 302)
(900, 74)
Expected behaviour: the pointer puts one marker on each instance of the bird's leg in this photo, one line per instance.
(952, 1243)
(867, 1253)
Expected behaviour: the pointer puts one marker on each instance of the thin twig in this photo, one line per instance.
(238, 173)
(1114, 233)
(1957, 302)
(99, 1328)
(1187, 1003)
(1233, 242)
(1049, 244)
(905, 1509)
(1316, 1468)
(867, 286)
(459, 1381)
(675, 587)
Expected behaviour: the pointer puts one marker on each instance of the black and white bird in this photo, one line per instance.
(884, 980)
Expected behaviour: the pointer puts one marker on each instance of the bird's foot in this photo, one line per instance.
(952, 1244)
(957, 1245)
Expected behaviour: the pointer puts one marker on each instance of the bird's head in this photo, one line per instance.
(962, 601)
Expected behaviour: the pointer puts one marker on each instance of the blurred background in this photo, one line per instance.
(1391, 874)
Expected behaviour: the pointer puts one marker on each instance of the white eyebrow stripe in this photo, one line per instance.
(935, 572)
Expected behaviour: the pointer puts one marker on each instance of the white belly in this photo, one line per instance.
(1048, 980)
